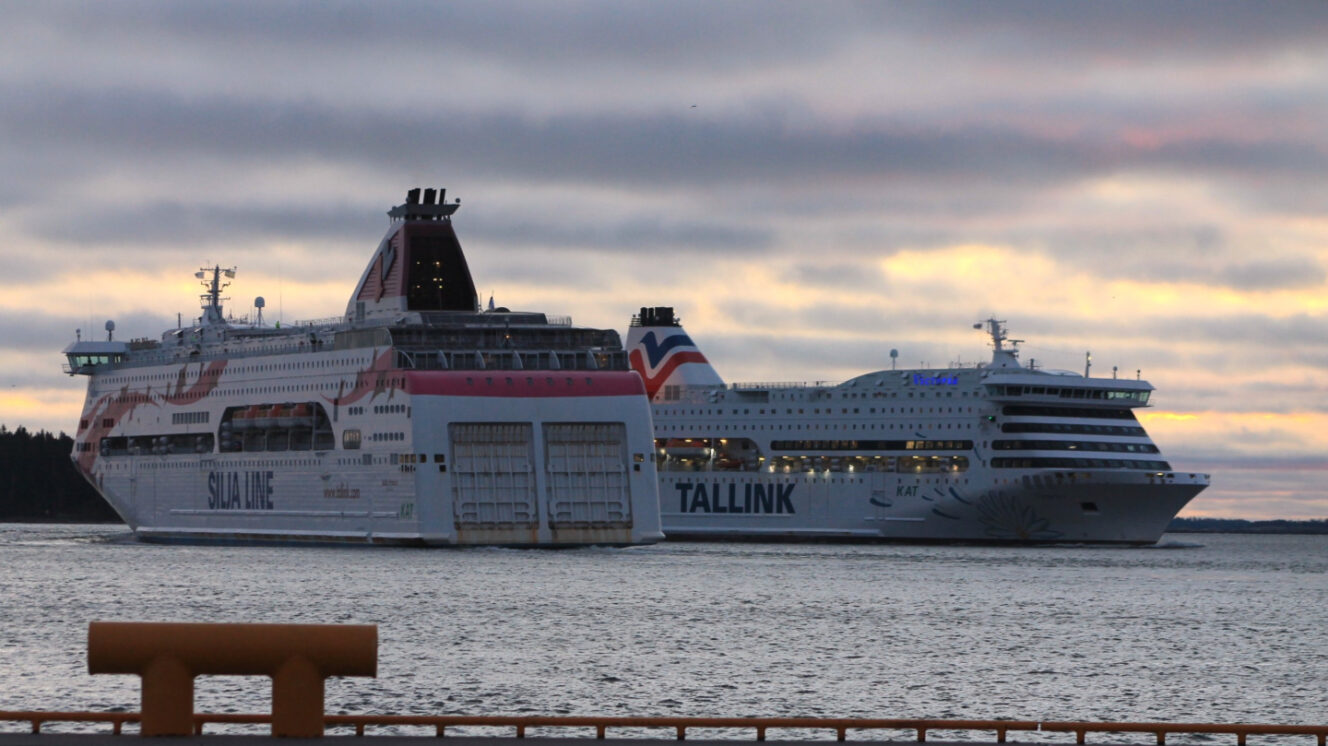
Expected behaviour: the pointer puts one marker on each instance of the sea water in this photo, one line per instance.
(1219, 628)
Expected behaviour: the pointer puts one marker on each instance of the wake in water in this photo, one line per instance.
(1176, 544)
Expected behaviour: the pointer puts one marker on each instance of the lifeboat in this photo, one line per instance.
(247, 418)
(266, 418)
(688, 448)
(279, 415)
(284, 414)
(302, 415)
(728, 464)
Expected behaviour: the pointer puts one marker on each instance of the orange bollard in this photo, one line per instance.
(298, 657)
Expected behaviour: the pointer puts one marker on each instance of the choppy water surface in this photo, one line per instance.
(1205, 628)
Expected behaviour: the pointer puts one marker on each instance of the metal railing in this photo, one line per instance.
(680, 725)
(770, 385)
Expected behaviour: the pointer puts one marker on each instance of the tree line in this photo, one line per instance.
(38, 482)
(1241, 526)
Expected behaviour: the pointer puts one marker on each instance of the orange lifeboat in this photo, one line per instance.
(688, 448)
(296, 415)
(246, 418)
(277, 415)
(266, 417)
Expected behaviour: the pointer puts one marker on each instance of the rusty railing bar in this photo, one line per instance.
(680, 724)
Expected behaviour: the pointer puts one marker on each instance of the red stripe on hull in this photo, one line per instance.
(524, 384)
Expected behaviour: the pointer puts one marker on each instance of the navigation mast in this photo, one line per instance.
(1001, 356)
(212, 299)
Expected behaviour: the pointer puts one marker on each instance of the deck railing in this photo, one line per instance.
(679, 726)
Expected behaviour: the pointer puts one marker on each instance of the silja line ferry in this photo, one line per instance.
(415, 418)
(996, 453)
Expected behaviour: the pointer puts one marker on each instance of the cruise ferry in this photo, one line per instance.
(415, 418)
(996, 453)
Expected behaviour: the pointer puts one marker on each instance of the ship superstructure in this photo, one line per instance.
(999, 452)
(414, 418)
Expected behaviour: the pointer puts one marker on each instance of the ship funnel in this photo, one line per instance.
(667, 360)
(419, 264)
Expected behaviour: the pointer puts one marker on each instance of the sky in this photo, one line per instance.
(809, 184)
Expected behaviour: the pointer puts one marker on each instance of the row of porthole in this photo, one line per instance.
(851, 426)
(162, 465)
(325, 386)
(890, 395)
(380, 409)
(248, 369)
(775, 412)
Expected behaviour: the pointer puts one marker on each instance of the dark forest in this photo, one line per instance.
(38, 482)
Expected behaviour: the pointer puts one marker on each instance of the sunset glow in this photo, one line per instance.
(808, 192)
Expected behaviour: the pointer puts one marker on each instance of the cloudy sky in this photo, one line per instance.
(810, 184)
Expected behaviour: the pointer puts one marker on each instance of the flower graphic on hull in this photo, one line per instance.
(1009, 519)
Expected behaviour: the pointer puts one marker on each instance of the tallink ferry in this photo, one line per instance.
(414, 418)
(996, 453)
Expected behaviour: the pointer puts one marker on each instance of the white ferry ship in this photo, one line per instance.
(994, 453)
(415, 418)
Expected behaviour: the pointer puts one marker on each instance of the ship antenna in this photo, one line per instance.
(996, 328)
(1001, 356)
(212, 298)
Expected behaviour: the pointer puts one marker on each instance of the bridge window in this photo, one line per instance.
(1080, 412)
(1078, 463)
(1071, 445)
(1076, 429)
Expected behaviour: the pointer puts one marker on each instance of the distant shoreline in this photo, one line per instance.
(1242, 526)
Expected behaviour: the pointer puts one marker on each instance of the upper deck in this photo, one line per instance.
(1002, 380)
(416, 296)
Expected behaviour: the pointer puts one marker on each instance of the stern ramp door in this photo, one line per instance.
(493, 475)
(587, 469)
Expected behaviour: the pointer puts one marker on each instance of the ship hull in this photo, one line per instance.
(1096, 508)
(415, 459)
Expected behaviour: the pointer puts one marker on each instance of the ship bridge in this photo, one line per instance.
(1039, 387)
(84, 356)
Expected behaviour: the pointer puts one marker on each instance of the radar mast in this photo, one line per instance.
(1001, 356)
(212, 299)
